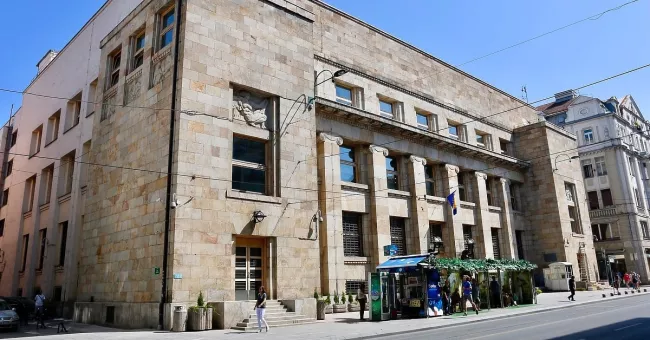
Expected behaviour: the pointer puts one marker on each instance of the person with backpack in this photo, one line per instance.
(39, 300)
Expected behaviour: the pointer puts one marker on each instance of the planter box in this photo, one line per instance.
(199, 319)
(354, 307)
(329, 309)
(320, 310)
(340, 308)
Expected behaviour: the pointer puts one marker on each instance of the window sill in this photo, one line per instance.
(50, 142)
(435, 199)
(27, 214)
(574, 234)
(70, 128)
(34, 154)
(39, 272)
(464, 204)
(493, 208)
(65, 197)
(398, 193)
(90, 114)
(44, 206)
(134, 73)
(353, 185)
(59, 269)
(253, 197)
(160, 54)
(355, 260)
(608, 239)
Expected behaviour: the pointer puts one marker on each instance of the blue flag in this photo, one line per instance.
(452, 202)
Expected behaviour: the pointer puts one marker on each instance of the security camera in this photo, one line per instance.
(174, 203)
(310, 106)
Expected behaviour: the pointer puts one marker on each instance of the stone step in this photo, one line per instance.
(283, 323)
(278, 317)
(269, 314)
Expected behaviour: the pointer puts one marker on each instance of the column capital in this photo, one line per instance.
(378, 149)
(416, 159)
(452, 168)
(504, 181)
(325, 137)
(480, 175)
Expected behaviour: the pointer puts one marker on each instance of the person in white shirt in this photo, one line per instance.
(361, 296)
(39, 302)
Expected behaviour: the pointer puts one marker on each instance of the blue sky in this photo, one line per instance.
(454, 31)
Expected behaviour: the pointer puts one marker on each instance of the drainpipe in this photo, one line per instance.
(170, 162)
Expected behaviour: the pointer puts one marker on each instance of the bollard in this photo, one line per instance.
(619, 293)
(611, 294)
(626, 292)
(632, 292)
(645, 290)
(604, 296)
(638, 291)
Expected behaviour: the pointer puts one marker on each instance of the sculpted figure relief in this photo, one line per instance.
(251, 107)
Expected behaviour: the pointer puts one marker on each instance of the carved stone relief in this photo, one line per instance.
(108, 107)
(251, 108)
(133, 88)
(162, 66)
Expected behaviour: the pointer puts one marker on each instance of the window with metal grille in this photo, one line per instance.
(351, 286)
(435, 230)
(467, 234)
(398, 234)
(496, 246)
(352, 236)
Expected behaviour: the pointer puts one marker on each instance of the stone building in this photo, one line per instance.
(613, 141)
(303, 141)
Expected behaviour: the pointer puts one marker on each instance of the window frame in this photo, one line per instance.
(644, 230)
(10, 168)
(14, 139)
(137, 54)
(2, 227)
(252, 166)
(593, 204)
(42, 236)
(428, 117)
(385, 114)
(36, 142)
(350, 237)
(601, 166)
(611, 198)
(53, 124)
(430, 179)
(30, 191)
(462, 193)
(67, 162)
(48, 178)
(587, 168)
(113, 68)
(73, 112)
(588, 136)
(346, 163)
(456, 127)
(395, 173)
(5, 197)
(63, 239)
(343, 100)
(25, 252)
(163, 30)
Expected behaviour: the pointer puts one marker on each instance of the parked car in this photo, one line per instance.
(23, 308)
(8, 317)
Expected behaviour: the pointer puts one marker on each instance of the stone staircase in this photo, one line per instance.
(276, 315)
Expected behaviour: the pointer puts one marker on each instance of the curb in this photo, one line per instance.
(500, 317)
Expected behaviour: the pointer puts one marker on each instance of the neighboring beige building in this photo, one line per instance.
(284, 178)
(614, 138)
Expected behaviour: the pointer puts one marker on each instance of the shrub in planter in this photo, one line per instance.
(338, 306)
(344, 298)
(199, 317)
(328, 305)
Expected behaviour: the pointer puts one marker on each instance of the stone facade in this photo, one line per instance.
(298, 187)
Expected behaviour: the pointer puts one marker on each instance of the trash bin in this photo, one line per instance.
(180, 316)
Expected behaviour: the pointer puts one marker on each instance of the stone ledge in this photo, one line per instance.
(253, 197)
(354, 186)
(436, 199)
(356, 260)
(398, 193)
(469, 205)
(494, 209)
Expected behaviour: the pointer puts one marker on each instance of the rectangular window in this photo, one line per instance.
(83, 166)
(630, 163)
(592, 197)
(398, 235)
(47, 178)
(601, 169)
(488, 191)
(386, 109)
(352, 234)
(249, 165)
(392, 175)
(66, 173)
(588, 135)
(25, 252)
(430, 179)
(166, 30)
(461, 187)
(453, 131)
(467, 235)
(505, 147)
(35, 146)
(348, 164)
(606, 194)
(637, 198)
(5, 197)
(423, 121)
(42, 235)
(92, 92)
(496, 244)
(30, 191)
(352, 286)
(514, 195)
(2, 227)
(52, 132)
(644, 230)
(343, 95)
(137, 48)
(575, 223)
(114, 62)
(519, 238)
(63, 239)
(10, 168)
(602, 232)
(435, 230)
(14, 138)
(587, 168)
(73, 112)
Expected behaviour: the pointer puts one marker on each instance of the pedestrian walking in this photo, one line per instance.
(260, 309)
(572, 287)
(475, 293)
(467, 295)
(626, 280)
(617, 283)
(446, 298)
(361, 296)
(495, 292)
(39, 302)
(635, 280)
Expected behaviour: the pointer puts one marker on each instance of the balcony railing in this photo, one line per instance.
(610, 211)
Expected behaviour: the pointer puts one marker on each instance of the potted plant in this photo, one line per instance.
(320, 307)
(338, 307)
(199, 317)
(328, 305)
(354, 304)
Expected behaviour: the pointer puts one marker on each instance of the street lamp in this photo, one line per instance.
(258, 216)
(568, 158)
(334, 75)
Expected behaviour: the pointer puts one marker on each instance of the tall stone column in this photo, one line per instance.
(507, 219)
(454, 242)
(329, 197)
(419, 208)
(483, 245)
(379, 217)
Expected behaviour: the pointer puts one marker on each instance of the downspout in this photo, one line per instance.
(170, 162)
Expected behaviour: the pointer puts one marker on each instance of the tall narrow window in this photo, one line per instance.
(166, 29)
(352, 237)
(435, 230)
(5, 197)
(430, 179)
(67, 174)
(392, 175)
(73, 112)
(83, 167)
(461, 187)
(588, 135)
(63, 239)
(348, 164)
(25, 252)
(514, 196)
(30, 192)
(467, 235)
(423, 120)
(398, 234)
(343, 94)
(601, 169)
(519, 238)
(10, 168)
(592, 197)
(36, 141)
(506, 147)
(249, 165)
(47, 178)
(488, 191)
(606, 194)
(587, 168)
(386, 109)
(52, 132)
(137, 48)
(496, 244)
(14, 138)
(42, 235)
(637, 197)
(630, 163)
(644, 230)
(114, 62)
(2, 227)
(575, 222)
(91, 101)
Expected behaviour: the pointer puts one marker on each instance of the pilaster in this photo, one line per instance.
(483, 245)
(454, 242)
(419, 207)
(507, 220)
(380, 218)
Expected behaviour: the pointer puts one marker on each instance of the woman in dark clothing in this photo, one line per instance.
(260, 308)
(446, 298)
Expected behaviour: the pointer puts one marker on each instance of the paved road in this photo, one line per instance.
(623, 319)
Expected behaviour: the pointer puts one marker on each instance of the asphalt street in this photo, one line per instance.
(618, 319)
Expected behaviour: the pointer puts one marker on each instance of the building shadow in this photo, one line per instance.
(637, 328)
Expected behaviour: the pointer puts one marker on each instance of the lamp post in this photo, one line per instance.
(568, 158)
(335, 74)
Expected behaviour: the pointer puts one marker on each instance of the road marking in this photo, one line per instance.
(622, 328)
(550, 323)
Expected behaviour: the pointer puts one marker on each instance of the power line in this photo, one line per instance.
(593, 17)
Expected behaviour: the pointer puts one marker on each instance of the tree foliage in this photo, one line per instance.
(481, 265)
